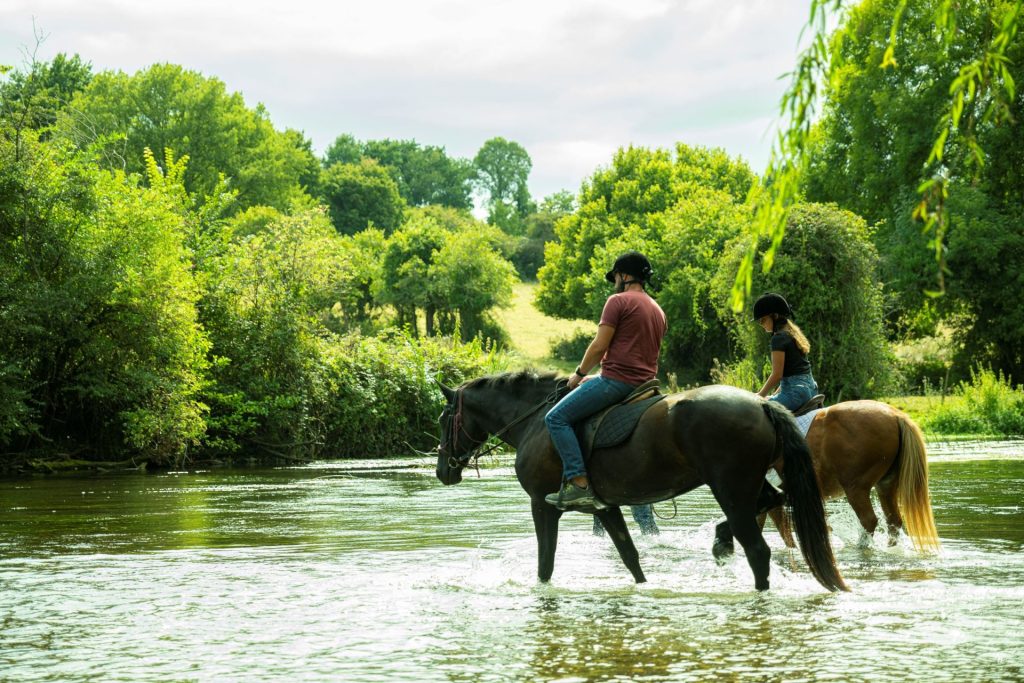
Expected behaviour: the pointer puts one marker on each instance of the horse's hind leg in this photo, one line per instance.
(545, 524)
(768, 500)
(741, 519)
(745, 529)
(888, 488)
(860, 500)
(615, 524)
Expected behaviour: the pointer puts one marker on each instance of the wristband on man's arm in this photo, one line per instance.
(581, 374)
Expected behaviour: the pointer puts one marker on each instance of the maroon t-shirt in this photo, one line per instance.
(639, 324)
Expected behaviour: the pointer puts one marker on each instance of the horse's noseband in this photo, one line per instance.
(454, 427)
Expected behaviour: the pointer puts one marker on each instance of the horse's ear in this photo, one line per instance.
(449, 394)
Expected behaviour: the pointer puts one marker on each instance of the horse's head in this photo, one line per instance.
(458, 440)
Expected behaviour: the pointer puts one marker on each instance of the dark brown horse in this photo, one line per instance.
(860, 445)
(720, 436)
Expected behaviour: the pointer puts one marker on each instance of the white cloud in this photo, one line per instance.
(571, 80)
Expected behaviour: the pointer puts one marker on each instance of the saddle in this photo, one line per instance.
(614, 425)
(814, 403)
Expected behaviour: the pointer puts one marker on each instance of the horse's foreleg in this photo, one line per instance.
(545, 524)
(615, 525)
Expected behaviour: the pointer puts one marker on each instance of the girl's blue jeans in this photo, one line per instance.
(580, 403)
(795, 390)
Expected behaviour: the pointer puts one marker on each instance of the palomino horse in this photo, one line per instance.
(720, 436)
(860, 445)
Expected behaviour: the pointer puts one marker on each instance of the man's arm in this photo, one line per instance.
(595, 352)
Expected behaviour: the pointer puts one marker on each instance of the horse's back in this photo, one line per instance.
(679, 439)
(720, 412)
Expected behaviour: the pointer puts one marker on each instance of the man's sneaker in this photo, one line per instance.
(575, 497)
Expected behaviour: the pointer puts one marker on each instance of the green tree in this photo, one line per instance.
(267, 298)
(872, 131)
(986, 250)
(826, 268)
(309, 170)
(101, 352)
(468, 277)
(528, 254)
(344, 150)
(404, 281)
(169, 107)
(981, 96)
(503, 167)
(359, 269)
(33, 98)
(630, 196)
(359, 195)
(425, 175)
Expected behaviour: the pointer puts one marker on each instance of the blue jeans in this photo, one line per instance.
(795, 390)
(588, 398)
(643, 515)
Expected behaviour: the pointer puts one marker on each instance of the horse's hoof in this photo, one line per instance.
(722, 550)
(761, 585)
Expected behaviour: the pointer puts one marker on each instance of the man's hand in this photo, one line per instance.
(574, 381)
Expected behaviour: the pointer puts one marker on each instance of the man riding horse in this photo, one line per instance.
(627, 345)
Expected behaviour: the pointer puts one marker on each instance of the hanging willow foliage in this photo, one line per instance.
(982, 93)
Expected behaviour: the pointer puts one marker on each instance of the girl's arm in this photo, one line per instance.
(778, 363)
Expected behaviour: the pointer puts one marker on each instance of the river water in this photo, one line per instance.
(374, 571)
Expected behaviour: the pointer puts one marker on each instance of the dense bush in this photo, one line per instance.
(379, 396)
(826, 268)
(101, 353)
(571, 348)
(991, 405)
(361, 195)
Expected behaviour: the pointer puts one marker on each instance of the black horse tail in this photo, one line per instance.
(804, 497)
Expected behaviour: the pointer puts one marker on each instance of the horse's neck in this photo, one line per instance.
(496, 408)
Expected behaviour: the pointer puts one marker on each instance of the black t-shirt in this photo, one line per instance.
(796, 361)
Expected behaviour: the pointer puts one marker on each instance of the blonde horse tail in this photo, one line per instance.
(913, 498)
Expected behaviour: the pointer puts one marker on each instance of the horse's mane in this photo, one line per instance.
(506, 379)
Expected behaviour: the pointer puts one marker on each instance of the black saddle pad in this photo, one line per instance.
(613, 426)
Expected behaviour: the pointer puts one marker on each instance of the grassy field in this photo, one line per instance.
(532, 332)
(917, 407)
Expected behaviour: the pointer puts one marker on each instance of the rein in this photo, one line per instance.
(472, 456)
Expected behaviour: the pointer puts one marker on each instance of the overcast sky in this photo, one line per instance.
(570, 80)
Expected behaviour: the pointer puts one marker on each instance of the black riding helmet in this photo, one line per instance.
(769, 303)
(631, 263)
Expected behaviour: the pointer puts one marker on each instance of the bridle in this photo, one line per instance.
(456, 428)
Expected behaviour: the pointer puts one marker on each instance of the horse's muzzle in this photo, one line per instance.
(448, 475)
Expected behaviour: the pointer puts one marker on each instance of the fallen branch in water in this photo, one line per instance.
(68, 464)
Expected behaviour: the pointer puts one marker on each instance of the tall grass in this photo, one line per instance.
(989, 405)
